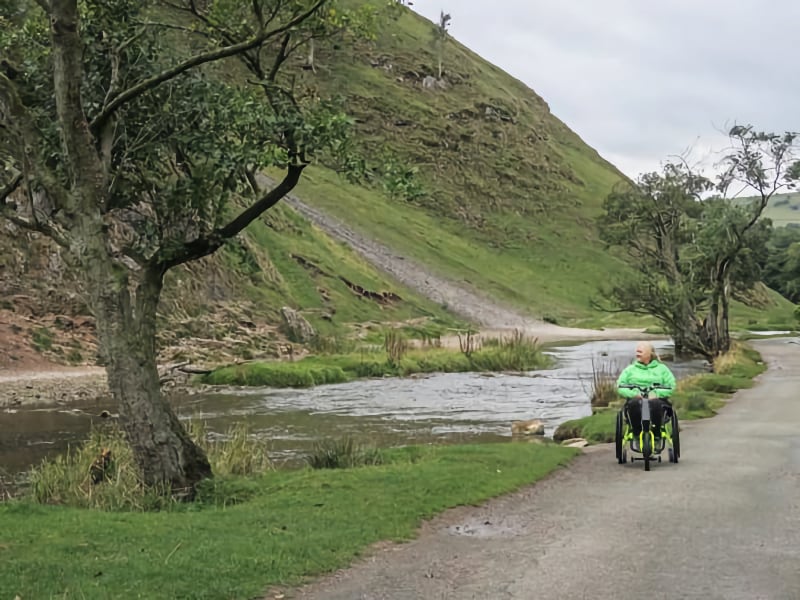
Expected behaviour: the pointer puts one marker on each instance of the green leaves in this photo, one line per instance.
(692, 251)
(782, 270)
(763, 162)
(180, 149)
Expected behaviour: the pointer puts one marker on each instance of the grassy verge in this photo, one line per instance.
(696, 397)
(245, 534)
(515, 353)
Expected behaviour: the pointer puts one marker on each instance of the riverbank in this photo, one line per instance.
(244, 535)
(276, 529)
(51, 385)
(43, 383)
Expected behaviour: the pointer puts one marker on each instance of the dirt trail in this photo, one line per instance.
(48, 384)
(488, 313)
(722, 524)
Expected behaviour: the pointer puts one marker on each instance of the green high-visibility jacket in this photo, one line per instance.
(637, 373)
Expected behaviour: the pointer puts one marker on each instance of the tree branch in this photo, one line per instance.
(196, 61)
(208, 245)
(23, 137)
(9, 189)
(8, 212)
(280, 58)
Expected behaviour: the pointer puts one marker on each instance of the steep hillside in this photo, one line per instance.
(227, 305)
(510, 192)
(471, 176)
(497, 192)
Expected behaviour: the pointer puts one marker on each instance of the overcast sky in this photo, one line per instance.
(640, 80)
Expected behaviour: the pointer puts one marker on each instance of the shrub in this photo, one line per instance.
(67, 478)
(342, 454)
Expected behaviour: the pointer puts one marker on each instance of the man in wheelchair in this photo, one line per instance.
(645, 371)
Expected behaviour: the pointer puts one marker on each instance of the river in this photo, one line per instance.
(449, 407)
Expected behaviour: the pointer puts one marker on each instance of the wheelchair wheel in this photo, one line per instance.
(676, 436)
(621, 458)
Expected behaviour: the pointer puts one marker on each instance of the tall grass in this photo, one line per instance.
(238, 452)
(66, 479)
(603, 384)
(516, 352)
(396, 346)
(343, 453)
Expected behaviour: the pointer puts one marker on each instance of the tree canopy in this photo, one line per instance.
(133, 133)
(691, 246)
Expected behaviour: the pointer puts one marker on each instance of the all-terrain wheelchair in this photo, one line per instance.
(646, 427)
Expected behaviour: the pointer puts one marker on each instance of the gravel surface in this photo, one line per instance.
(724, 523)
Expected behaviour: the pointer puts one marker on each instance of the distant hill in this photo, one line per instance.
(784, 209)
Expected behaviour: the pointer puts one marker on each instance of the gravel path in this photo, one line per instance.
(722, 524)
(463, 300)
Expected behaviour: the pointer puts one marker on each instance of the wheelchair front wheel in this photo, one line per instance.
(621, 458)
(676, 436)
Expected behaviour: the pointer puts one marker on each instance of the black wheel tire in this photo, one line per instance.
(671, 455)
(646, 450)
(618, 439)
(676, 436)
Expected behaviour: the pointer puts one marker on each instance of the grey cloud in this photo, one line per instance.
(641, 80)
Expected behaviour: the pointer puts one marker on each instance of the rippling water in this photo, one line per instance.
(390, 411)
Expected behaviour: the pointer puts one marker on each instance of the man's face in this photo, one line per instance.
(642, 354)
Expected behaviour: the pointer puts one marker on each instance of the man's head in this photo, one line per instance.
(645, 352)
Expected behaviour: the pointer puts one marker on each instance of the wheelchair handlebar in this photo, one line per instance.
(645, 388)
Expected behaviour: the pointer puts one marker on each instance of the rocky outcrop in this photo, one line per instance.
(531, 427)
(297, 328)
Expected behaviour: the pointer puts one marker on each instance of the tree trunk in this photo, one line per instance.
(724, 323)
(310, 59)
(163, 450)
(126, 326)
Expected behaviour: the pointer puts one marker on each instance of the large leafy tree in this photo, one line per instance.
(124, 138)
(691, 251)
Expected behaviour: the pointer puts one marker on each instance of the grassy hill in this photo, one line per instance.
(472, 176)
(784, 209)
(511, 193)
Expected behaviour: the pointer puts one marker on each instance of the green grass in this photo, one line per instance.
(67, 478)
(286, 526)
(282, 260)
(506, 198)
(510, 205)
(514, 353)
(696, 397)
(784, 209)
(511, 197)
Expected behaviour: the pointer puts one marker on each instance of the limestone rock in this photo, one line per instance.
(531, 427)
(298, 329)
(575, 443)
